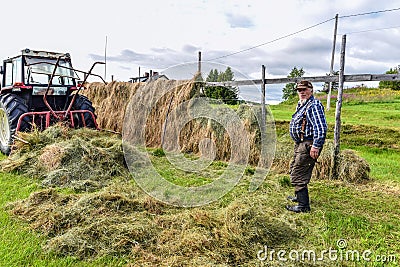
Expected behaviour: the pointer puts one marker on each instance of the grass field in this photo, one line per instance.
(365, 217)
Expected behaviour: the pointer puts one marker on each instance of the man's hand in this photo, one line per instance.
(314, 152)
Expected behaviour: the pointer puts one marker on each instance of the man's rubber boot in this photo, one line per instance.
(303, 200)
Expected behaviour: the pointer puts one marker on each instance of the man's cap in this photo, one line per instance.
(304, 84)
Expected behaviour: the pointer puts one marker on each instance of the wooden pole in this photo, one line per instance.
(328, 99)
(336, 150)
(263, 116)
(199, 63)
(105, 60)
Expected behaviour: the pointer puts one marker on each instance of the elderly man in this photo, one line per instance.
(308, 130)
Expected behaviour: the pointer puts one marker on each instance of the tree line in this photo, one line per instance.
(230, 95)
(290, 92)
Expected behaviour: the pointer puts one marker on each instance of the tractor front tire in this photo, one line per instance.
(11, 109)
(83, 103)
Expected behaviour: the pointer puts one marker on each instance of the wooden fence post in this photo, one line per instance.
(263, 115)
(199, 63)
(105, 60)
(336, 150)
(328, 99)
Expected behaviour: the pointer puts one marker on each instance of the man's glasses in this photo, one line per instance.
(301, 89)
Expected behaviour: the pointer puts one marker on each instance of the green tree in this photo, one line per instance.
(228, 94)
(289, 89)
(394, 85)
(212, 76)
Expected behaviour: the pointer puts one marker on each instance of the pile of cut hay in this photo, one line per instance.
(82, 159)
(120, 219)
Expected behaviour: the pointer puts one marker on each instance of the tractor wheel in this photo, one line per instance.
(83, 103)
(11, 108)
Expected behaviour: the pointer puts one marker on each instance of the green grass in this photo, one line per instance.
(19, 246)
(384, 162)
(369, 219)
(381, 114)
(372, 114)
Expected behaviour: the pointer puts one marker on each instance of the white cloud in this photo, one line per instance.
(239, 21)
(158, 34)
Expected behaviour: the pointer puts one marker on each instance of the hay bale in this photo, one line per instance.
(353, 168)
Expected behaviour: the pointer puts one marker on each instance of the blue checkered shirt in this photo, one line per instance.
(316, 126)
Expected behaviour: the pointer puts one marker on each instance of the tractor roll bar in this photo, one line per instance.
(81, 85)
(48, 88)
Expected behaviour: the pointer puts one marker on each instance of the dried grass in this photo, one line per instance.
(110, 102)
(352, 168)
(83, 159)
(120, 220)
(51, 157)
(156, 102)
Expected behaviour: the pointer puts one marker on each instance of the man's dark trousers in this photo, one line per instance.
(302, 165)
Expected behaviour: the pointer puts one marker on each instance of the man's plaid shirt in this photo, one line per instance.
(316, 126)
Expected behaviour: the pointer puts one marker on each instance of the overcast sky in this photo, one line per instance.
(159, 34)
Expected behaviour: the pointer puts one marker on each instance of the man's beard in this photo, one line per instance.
(302, 101)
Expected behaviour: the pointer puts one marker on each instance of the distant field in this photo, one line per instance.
(375, 112)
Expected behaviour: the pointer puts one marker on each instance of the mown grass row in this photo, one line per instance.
(365, 216)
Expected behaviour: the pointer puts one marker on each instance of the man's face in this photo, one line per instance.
(304, 93)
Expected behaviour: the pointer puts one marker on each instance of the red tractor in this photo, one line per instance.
(40, 88)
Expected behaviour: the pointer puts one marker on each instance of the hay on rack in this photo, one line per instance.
(352, 168)
(156, 102)
(110, 102)
(121, 219)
